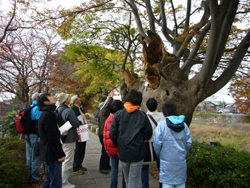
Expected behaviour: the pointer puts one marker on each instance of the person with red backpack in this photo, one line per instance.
(32, 142)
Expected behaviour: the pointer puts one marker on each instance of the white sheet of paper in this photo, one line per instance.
(65, 127)
(80, 118)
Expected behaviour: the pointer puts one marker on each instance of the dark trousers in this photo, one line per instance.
(104, 160)
(158, 166)
(79, 155)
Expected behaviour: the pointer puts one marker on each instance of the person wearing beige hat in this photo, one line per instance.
(69, 141)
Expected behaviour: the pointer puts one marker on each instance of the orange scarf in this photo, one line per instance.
(130, 107)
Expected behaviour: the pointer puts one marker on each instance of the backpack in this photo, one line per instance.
(23, 121)
(59, 117)
(96, 112)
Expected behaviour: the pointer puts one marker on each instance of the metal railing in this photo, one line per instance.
(92, 120)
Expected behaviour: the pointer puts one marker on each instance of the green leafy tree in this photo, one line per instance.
(222, 104)
(102, 59)
(95, 66)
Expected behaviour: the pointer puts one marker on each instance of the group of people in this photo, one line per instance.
(123, 132)
(59, 151)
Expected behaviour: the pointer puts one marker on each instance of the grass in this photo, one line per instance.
(238, 139)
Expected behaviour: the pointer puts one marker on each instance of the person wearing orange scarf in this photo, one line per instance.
(129, 128)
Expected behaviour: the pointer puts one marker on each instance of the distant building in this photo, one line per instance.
(209, 106)
(205, 106)
(232, 107)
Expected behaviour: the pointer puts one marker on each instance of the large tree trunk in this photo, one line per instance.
(165, 82)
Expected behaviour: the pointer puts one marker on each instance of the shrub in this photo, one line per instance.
(205, 115)
(246, 119)
(223, 166)
(13, 166)
(9, 127)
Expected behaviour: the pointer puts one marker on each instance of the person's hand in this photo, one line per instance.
(112, 94)
(65, 133)
(61, 159)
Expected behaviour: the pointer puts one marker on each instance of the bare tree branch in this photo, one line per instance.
(7, 26)
(234, 64)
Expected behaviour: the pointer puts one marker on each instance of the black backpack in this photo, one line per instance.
(23, 121)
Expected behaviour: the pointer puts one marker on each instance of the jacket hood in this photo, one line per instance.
(176, 123)
(34, 102)
(130, 107)
(49, 107)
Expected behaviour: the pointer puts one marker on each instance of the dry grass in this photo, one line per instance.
(238, 139)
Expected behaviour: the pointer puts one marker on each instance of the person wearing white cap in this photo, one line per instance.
(69, 141)
(32, 145)
(80, 145)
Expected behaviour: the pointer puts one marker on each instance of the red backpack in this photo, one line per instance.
(23, 121)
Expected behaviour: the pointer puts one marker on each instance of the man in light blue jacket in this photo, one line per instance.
(171, 142)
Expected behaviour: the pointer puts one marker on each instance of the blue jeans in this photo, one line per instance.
(145, 176)
(32, 156)
(53, 172)
(114, 173)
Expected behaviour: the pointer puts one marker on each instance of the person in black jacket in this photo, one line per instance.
(51, 151)
(80, 145)
(129, 128)
(104, 164)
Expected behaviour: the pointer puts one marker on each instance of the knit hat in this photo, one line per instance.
(73, 98)
(62, 97)
(35, 95)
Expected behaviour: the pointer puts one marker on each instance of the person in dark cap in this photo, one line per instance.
(109, 146)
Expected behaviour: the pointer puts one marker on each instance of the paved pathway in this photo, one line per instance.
(92, 177)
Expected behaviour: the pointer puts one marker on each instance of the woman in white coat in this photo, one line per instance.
(171, 142)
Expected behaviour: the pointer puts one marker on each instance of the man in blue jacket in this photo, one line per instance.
(32, 145)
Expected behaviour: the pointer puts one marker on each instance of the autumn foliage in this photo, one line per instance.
(241, 93)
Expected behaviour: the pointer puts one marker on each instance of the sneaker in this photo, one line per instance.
(103, 171)
(79, 172)
(68, 185)
(83, 169)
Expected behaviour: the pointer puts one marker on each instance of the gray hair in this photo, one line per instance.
(73, 98)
